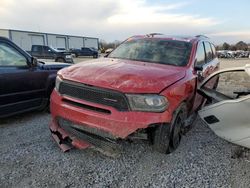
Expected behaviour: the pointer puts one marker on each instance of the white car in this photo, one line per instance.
(228, 113)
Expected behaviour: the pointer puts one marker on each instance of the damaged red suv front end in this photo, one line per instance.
(135, 89)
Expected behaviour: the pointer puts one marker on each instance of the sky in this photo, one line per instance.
(221, 20)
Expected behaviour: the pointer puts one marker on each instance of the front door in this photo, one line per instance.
(48, 53)
(21, 86)
(228, 114)
(206, 59)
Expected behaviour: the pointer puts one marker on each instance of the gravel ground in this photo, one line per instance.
(227, 63)
(30, 158)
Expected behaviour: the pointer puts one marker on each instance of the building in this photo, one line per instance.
(25, 39)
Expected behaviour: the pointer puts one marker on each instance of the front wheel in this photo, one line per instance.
(167, 137)
(161, 138)
(176, 131)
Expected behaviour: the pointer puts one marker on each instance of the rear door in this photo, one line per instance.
(22, 87)
(228, 113)
(212, 61)
(86, 52)
(83, 51)
(89, 52)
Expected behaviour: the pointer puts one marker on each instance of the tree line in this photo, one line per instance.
(106, 45)
(238, 46)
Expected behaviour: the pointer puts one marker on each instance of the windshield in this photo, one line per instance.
(170, 52)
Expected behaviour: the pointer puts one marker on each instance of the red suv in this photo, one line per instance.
(146, 88)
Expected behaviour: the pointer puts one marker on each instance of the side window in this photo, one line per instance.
(46, 49)
(10, 56)
(213, 50)
(35, 49)
(200, 54)
(234, 84)
(209, 53)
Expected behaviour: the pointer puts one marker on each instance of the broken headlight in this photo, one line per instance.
(147, 102)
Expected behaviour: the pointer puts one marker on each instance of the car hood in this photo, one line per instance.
(52, 65)
(124, 75)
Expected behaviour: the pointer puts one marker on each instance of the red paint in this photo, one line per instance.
(79, 144)
(177, 84)
(63, 147)
(119, 124)
(124, 75)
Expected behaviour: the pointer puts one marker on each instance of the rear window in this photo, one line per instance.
(169, 52)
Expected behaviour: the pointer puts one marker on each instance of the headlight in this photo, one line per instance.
(58, 82)
(147, 102)
(68, 56)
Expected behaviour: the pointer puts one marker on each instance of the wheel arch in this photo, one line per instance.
(50, 84)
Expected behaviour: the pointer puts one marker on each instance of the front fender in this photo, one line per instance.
(181, 92)
(50, 84)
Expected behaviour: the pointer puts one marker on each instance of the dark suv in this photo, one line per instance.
(85, 52)
(25, 83)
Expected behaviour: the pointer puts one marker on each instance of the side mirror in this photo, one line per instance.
(197, 67)
(33, 61)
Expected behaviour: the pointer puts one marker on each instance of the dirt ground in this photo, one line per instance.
(30, 158)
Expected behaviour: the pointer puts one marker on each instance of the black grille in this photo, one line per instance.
(87, 106)
(94, 94)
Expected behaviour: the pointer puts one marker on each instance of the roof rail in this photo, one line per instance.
(153, 34)
(201, 36)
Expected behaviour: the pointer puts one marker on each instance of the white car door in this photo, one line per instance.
(228, 115)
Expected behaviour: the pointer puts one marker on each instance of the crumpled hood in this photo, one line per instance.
(124, 75)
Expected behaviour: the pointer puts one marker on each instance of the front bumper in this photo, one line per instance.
(113, 126)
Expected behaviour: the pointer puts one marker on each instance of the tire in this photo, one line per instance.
(161, 138)
(47, 106)
(176, 132)
(60, 60)
(167, 137)
(95, 56)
